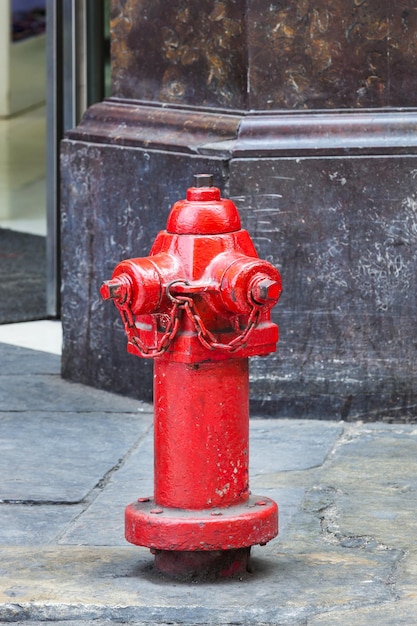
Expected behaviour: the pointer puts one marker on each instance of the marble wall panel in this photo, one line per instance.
(316, 54)
(180, 52)
(266, 54)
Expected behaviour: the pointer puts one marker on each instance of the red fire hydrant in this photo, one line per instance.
(199, 304)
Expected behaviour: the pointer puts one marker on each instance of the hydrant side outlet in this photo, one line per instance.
(200, 304)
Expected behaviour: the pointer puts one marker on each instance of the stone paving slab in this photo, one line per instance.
(316, 572)
(347, 495)
(400, 613)
(55, 457)
(16, 361)
(28, 392)
(290, 445)
(23, 525)
(119, 584)
(30, 381)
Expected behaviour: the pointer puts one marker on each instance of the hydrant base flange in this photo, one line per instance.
(163, 528)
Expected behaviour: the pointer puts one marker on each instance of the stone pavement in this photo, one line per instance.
(72, 458)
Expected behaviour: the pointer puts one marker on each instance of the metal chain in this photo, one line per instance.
(164, 341)
(206, 338)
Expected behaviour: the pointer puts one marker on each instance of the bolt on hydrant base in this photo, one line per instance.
(199, 304)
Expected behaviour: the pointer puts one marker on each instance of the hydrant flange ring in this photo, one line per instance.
(252, 522)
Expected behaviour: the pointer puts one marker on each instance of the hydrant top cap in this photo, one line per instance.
(203, 212)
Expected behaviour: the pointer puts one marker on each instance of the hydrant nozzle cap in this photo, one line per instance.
(116, 288)
(265, 290)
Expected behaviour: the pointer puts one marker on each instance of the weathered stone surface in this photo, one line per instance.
(344, 241)
(33, 392)
(345, 553)
(116, 583)
(272, 443)
(285, 440)
(385, 615)
(71, 456)
(36, 524)
(114, 203)
(58, 440)
(20, 361)
(153, 126)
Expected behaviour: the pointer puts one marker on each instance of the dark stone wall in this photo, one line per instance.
(342, 229)
(115, 201)
(345, 242)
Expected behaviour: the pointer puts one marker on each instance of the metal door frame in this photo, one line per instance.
(75, 80)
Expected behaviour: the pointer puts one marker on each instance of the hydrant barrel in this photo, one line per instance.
(201, 434)
(199, 305)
